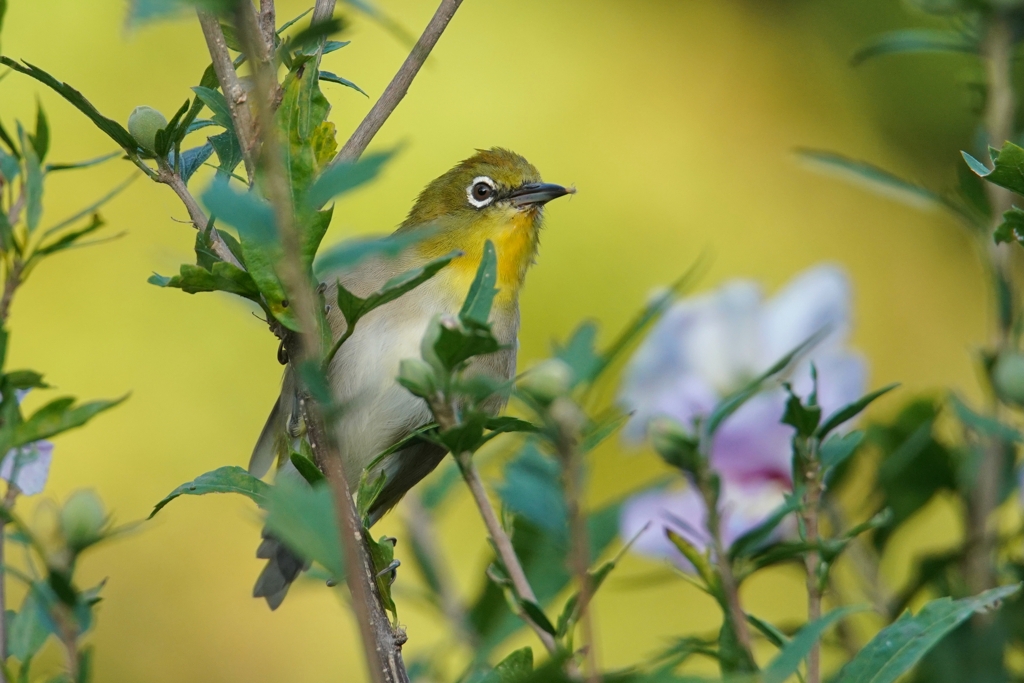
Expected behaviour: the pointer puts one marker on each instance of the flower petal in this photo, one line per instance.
(681, 511)
(29, 465)
(816, 299)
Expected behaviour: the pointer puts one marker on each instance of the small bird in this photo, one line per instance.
(495, 195)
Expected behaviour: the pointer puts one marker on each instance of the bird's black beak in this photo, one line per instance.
(538, 194)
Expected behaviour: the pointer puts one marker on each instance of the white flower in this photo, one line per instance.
(709, 346)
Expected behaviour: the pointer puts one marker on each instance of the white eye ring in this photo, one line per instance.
(475, 188)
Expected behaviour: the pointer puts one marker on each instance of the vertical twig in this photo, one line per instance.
(572, 475)
(399, 85)
(268, 23)
(812, 560)
(234, 93)
(1000, 110)
(322, 11)
(381, 644)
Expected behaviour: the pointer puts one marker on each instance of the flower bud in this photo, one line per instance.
(417, 376)
(547, 381)
(1008, 377)
(143, 124)
(82, 519)
(674, 444)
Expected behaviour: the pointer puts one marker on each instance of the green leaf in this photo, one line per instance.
(756, 537)
(31, 626)
(788, 661)
(580, 353)
(112, 128)
(731, 403)
(5, 137)
(899, 646)
(229, 152)
(482, 291)
(513, 669)
(838, 447)
(193, 159)
(222, 277)
(449, 343)
(74, 165)
(229, 479)
(303, 111)
(218, 105)
(532, 489)
(347, 254)
(1011, 229)
(343, 177)
(41, 138)
(24, 379)
(10, 167)
(983, 425)
(915, 40)
(803, 418)
(303, 519)
(334, 78)
(68, 240)
(537, 615)
(142, 11)
(851, 410)
(1007, 167)
(56, 417)
(307, 468)
(876, 180)
(353, 308)
(33, 184)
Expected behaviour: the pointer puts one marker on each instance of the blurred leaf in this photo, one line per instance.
(10, 168)
(756, 537)
(5, 137)
(222, 277)
(537, 615)
(850, 411)
(803, 418)
(33, 184)
(31, 626)
(983, 425)
(52, 168)
(876, 180)
(368, 492)
(68, 240)
(916, 40)
(41, 138)
(787, 662)
(24, 379)
(350, 252)
(580, 353)
(731, 403)
(257, 228)
(142, 11)
(516, 666)
(477, 306)
(532, 489)
(312, 35)
(302, 112)
(838, 447)
(303, 519)
(346, 176)
(56, 417)
(914, 464)
(229, 479)
(353, 307)
(112, 128)
(452, 343)
(172, 133)
(92, 208)
(334, 78)
(229, 153)
(699, 560)
(602, 427)
(1007, 168)
(1011, 229)
(899, 646)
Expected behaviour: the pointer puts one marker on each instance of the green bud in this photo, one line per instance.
(547, 381)
(674, 444)
(83, 519)
(1008, 377)
(417, 376)
(143, 124)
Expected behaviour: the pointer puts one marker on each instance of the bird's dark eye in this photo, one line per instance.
(482, 191)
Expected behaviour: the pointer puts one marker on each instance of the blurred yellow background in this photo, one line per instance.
(675, 119)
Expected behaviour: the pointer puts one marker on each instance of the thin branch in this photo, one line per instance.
(382, 644)
(421, 526)
(812, 560)
(322, 11)
(168, 177)
(8, 504)
(399, 85)
(232, 88)
(268, 23)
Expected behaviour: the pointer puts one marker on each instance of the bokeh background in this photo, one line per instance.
(676, 119)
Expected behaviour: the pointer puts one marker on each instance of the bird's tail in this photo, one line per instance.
(275, 444)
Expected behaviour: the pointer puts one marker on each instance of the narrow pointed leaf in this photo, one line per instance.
(477, 306)
(914, 41)
(231, 479)
(788, 661)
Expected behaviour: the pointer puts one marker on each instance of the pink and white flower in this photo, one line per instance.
(707, 347)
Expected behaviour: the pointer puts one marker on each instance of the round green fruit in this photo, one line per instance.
(1008, 378)
(143, 124)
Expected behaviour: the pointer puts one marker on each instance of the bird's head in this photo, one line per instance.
(495, 195)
